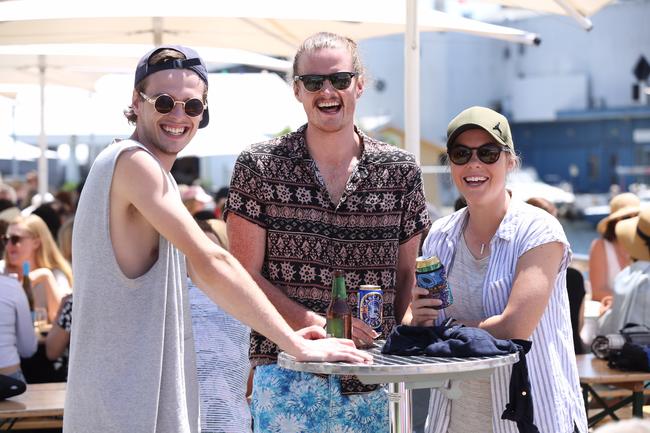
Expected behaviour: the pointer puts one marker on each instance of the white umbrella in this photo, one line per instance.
(238, 123)
(80, 65)
(271, 27)
(579, 10)
(11, 149)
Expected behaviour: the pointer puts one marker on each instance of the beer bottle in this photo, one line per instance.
(339, 314)
(27, 285)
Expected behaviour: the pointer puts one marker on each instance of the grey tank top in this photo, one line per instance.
(132, 363)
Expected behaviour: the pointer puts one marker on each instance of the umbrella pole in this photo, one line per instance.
(42, 141)
(14, 160)
(412, 81)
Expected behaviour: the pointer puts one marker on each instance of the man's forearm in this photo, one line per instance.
(228, 284)
(296, 315)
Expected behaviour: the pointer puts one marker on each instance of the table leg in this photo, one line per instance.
(399, 398)
(637, 404)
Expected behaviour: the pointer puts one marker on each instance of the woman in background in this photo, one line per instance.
(58, 339)
(606, 255)
(17, 336)
(29, 240)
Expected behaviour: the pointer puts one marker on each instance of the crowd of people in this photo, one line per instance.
(183, 299)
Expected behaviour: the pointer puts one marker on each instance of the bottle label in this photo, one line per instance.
(435, 281)
(335, 327)
(371, 308)
(432, 280)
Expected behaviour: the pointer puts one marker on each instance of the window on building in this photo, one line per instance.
(593, 167)
(613, 163)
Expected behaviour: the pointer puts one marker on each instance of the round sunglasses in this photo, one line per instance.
(315, 82)
(488, 153)
(164, 104)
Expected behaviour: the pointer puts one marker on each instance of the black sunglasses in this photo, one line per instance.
(314, 82)
(14, 239)
(164, 104)
(488, 153)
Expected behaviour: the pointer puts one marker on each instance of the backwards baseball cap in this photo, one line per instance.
(492, 122)
(192, 61)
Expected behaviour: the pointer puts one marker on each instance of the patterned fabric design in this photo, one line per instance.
(276, 185)
(286, 401)
(65, 318)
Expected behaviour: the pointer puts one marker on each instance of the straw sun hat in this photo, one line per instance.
(634, 235)
(621, 206)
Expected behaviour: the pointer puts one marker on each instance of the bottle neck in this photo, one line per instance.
(338, 288)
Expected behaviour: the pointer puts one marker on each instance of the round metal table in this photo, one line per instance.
(404, 373)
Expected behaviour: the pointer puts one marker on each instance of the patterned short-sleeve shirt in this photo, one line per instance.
(277, 185)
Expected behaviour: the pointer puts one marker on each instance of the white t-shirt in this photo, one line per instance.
(17, 336)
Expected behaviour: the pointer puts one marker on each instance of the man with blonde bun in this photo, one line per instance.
(323, 198)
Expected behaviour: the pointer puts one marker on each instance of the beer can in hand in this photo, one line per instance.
(430, 275)
(371, 306)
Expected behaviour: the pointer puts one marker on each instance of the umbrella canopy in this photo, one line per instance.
(238, 123)
(80, 65)
(579, 10)
(270, 27)
(14, 149)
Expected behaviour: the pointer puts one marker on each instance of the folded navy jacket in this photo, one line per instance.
(459, 341)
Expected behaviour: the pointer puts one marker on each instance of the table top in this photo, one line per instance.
(594, 370)
(40, 399)
(400, 368)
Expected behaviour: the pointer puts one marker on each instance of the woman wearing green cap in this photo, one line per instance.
(506, 263)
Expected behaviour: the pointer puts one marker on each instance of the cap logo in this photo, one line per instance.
(497, 127)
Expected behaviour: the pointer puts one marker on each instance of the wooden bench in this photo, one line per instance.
(629, 385)
(40, 406)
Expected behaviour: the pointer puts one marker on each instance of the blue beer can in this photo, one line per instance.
(430, 275)
(371, 306)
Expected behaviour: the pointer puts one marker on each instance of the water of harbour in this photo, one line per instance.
(580, 234)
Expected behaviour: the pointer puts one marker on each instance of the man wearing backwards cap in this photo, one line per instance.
(631, 302)
(132, 357)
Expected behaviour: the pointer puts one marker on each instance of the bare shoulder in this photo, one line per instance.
(136, 168)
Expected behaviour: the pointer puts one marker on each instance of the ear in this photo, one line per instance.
(136, 99)
(296, 91)
(360, 85)
(511, 162)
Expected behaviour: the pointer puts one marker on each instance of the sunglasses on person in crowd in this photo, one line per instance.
(314, 82)
(13, 239)
(164, 104)
(488, 153)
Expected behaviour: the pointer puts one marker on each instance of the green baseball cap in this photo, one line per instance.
(492, 122)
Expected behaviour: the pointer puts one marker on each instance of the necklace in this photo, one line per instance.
(471, 233)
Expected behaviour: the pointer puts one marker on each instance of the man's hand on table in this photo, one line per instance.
(362, 334)
(311, 345)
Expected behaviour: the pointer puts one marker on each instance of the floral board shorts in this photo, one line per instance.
(286, 401)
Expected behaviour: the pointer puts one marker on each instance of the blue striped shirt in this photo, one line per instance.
(552, 367)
